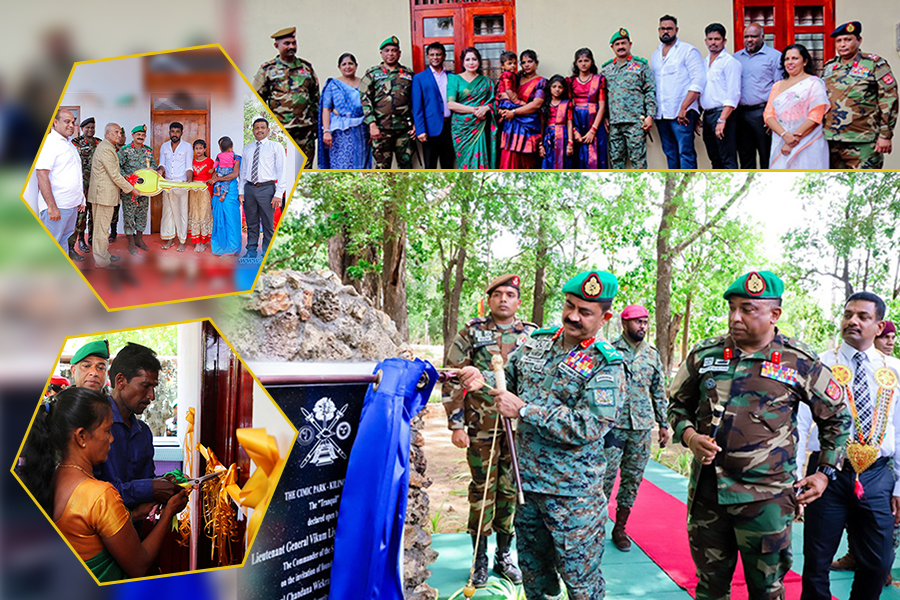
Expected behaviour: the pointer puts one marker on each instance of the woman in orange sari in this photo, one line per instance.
(520, 142)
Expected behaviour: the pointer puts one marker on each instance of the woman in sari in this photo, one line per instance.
(72, 433)
(470, 97)
(588, 96)
(200, 221)
(794, 114)
(343, 137)
(520, 141)
(226, 204)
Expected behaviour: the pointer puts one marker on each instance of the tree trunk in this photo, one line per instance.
(452, 280)
(685, 331)
(663, 297)
(540, 276)
(337, 255)
(393, 274)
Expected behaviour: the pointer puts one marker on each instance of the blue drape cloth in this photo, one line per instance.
(369, 534)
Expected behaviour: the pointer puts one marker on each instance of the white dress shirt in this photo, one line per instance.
(176, 162)
(679, 72)
(440, 78)
(808, 432)
(61, 158)
(271, 165)
(723, 82)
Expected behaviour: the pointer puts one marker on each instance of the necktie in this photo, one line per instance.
(254, 170)
(861, 393)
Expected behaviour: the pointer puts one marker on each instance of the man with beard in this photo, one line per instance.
(175, 164)
(134, 375)
(134, 157)
(719, 99)
(864, 493)
(761, 68)
(644, 404)
(85, 143)
(386, 91)
(472, 418)
(58, 172)
(103, 194)
(564, 386)
(733, 405)
(89, 365)
(680, 78)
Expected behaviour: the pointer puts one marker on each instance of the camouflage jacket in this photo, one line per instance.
(863, 97)
(290, 90)
(386, 97)
(571, 397)
(133, 159)
(86, 151)
(645, 401)
(630, 90)
(476, 345)
(760, 401)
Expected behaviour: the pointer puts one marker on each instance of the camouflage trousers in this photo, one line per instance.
(391, 142)
(81, 224)
(306, 139)
(134, 214)
(500, 506)
(557, 538)
(846, 155)
(628, 450)
(627, 140)
(760, 531)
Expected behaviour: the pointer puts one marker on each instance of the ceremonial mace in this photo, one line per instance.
(500, 380)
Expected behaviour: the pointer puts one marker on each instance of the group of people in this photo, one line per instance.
(88, 462)
(759, 104)
(83, 182)
(583, 409)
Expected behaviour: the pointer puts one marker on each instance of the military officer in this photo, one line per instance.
(863, 93)
(644, 404)
(564, 386)
(386, 91)
(473, 417)
(289, 86)
(733, 403)
(631, 97)
(133, 157)
(86, 143)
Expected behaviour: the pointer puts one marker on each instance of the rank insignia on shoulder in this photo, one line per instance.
(888, 79)
(787, 375)
(833, 390)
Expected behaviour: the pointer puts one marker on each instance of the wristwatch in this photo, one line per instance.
(522, 410)
(828, 471)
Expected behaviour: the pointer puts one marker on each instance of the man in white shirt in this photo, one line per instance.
(719, 99)
(867, 503)
(261, 185)
(59, 178)
(175, 164)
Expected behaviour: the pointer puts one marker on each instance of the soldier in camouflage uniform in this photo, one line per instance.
(473, 417)
(386, 91)
(741, 493)
(289, 86)
(644, 403)
(133, 157)
(86, 143)
(863, 93)
(631, 98)
(564, 386)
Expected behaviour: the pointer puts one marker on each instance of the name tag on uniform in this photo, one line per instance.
(714, 365)
(534, 364)
(780, 373)
(579, 363)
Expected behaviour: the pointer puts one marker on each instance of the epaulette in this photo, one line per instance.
(527, 324)
(801, 347)
(607, 62)
(545, 331)
(709, 342)
(611, 355)
(147, 147)
(268, 63)
(872, 57)
(640, 59)
(476, 321)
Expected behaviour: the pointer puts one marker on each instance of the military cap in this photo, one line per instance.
(756, 284)
(508, 279)
(634, 311)
(58, 380)
(87, 122)
(142, 128)
(99, 348)
(393, 40)
(621, 34)
(889, 327)
(851, 28)
(282, 33)
(593, 286)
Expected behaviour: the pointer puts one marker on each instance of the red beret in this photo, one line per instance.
(889, 327)
(634, 311)
(57, 380)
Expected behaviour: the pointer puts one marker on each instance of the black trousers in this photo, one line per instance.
(258, 207)
(870, 528)
(752, 136)
(722, 153)
(440, 147)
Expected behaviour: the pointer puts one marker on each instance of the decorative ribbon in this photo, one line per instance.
(259, 488)
(219, 516)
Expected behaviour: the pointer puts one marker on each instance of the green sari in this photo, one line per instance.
(105, 568)
(475, 141)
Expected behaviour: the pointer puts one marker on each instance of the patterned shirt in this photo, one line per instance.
(645, 401)
(863, 95)
(291, 90)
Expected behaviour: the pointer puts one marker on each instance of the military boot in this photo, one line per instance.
(72, 254)
(619, 537)
(503, 562)
(132, 249)
(480, 573)
(139, 241)
(81, 245)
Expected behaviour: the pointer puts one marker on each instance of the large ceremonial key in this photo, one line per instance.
(149, 183)
(500, 384)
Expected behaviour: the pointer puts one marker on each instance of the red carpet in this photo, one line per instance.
(658, 525)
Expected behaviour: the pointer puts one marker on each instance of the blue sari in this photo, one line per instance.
(350, 147)
(226, 211)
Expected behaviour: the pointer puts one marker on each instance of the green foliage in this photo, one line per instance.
(254, 109)
(163, 340)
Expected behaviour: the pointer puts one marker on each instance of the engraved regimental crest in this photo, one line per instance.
(591, 288)
(325, 424)
(755, 285)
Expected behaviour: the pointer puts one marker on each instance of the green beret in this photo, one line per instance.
(142, 128)
(593, 286)
(99, 348)
(282, 33)
(393, 40)
(621, 34)
(756, 284)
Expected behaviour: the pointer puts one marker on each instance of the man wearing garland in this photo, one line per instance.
(864, 493)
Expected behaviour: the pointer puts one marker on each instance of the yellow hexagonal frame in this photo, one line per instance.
(256, 380)
(273, 119)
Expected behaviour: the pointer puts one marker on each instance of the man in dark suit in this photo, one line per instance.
(430, 113)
